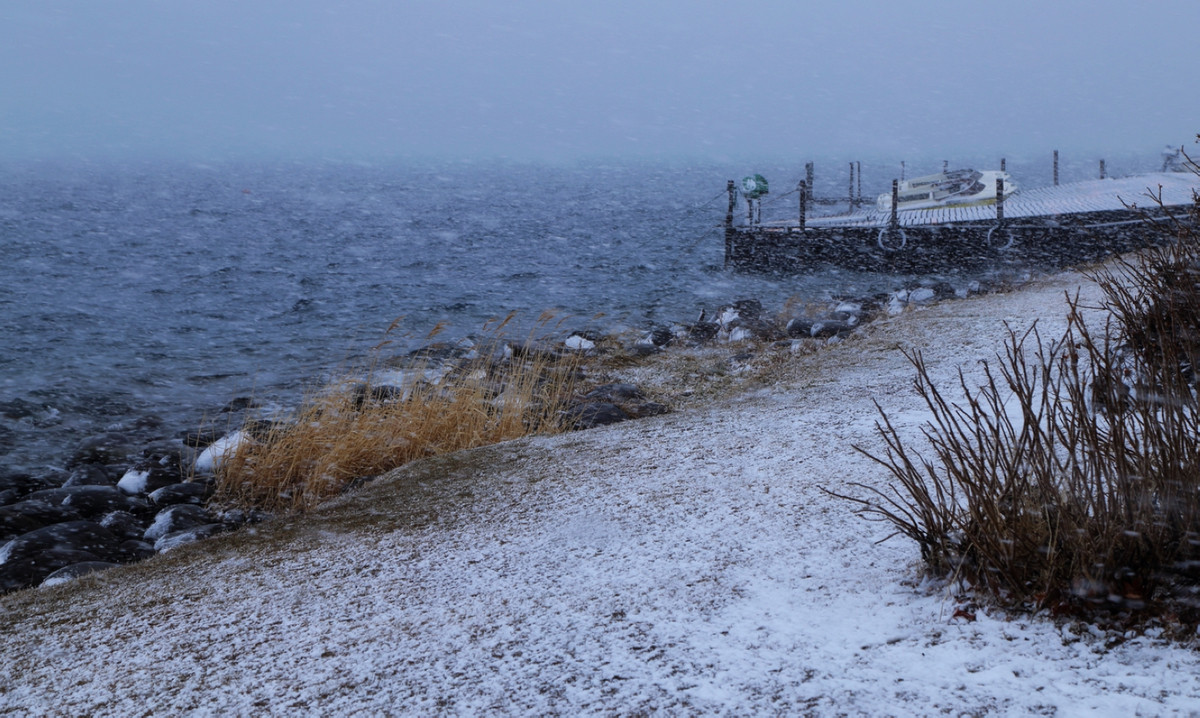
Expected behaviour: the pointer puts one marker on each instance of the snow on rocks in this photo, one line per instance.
(220, 450)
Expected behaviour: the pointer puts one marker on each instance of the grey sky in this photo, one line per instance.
(560, 80)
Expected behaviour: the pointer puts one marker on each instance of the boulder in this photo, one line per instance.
(88, 475)
(33, 569)
(592, 414)
(43, 512)
(95, 501)
(133, 550)
(103, 450)
(179, 517)
(179, 538)
(14, 523)
(75, 570)
(123, 525)
(22, 484)
(152, 473)
(190, 492)
(616, 393)
(86, 536)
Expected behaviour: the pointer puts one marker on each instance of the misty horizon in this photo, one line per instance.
(544, 81)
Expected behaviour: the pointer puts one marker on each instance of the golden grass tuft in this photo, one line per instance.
(370, 422)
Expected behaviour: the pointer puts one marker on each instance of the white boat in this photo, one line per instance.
(955, 188)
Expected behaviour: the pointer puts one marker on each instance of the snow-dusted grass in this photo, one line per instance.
(682, 564)
(376, 420)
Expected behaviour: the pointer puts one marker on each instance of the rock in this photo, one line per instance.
(191, 492)
(617, 392)
(93, 501)
(657, 337)
(106, 449)
(44, 512)
(133, 550)
(175, 518)
(144, 479)
(921, 295)
(72, 535)
(829, 327)
(33, 569)
(799, 327)
(592, 414)
(69, 573)
(14, 523)
(703, 332)
(23, 484)
(88, 475)
(123, 525)
(179, 538)
(754, 328)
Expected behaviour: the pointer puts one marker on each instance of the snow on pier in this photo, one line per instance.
(1113, 194)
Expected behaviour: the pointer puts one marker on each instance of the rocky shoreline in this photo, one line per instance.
(117, 502)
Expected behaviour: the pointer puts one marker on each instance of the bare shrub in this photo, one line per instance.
(1071, 478)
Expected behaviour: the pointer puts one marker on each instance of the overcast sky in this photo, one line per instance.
(570, 79)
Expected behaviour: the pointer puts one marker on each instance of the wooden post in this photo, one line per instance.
(1055, 168)
(803, 204)
(895, 221)
(729, 222)
(999, 200)
(851, 190)
(1102, 171)
(808, 178)
(945, 165)
(901, 170)
(859, 174)
(1002, 162)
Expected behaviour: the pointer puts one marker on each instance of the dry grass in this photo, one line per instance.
(376, 420)
(1071, 479)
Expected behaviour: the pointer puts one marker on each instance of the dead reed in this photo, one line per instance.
(1071, 479)
(440, 399)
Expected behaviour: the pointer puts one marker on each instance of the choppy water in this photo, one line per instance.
(128, 291)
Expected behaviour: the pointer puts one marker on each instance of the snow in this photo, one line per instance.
(216, 453)
(134, 481)
(683, 564)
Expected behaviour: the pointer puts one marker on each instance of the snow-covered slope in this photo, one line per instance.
(683, 564)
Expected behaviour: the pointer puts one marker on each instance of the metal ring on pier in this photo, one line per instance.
(886, 230)
(1010, 238)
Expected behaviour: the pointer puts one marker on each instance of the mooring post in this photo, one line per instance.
(808, 177)
(1055, 168)
(895, 220)
(1102, 172)
(999, 200)
(729, 222)
(803, 204)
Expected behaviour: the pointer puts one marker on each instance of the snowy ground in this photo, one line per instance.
(683, 564)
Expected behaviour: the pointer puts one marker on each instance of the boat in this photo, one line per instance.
(953, 188)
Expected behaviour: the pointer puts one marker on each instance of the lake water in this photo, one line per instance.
(129, 291)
